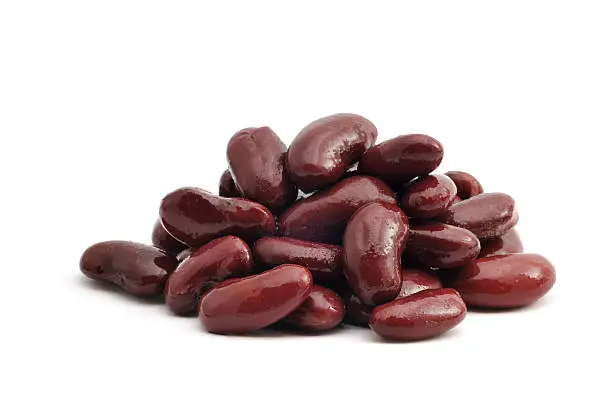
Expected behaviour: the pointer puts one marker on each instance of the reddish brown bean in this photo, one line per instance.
(195, 217)
(427, 197)
(322, 217)
(509, 243)
(227, 187)
(239, 306)
(505, 281)
(322, 310)
(425, 314)
(487, 215)
(373, 243)
(137, 268)
(324, 261)
(164, 241)
(256, 158)
(221, 259)
(402, 158)
(467, 185)
(326, 148)
(438, 245)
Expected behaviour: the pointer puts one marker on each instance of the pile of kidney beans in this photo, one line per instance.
(375, 239)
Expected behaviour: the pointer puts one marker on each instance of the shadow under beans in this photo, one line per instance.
(107, 288)
(544, 302)
(276, 331)
(449, 335)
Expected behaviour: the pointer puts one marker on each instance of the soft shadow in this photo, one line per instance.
(544, 302)
(276, 331)
(449, 335)
(107, 288)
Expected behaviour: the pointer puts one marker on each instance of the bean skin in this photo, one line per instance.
(324, 261)
(239, 306)
(222, 258)
(137, 268)
(227, 187)
(400, 159)
(427, 197)
(195, 217)
(326, 148)
(488, 215)
(509, 243)
(425, 314)
(256, 158)
(322, 310)
(504, 281)
(438, 245)
(374, 240)
(164, 241)
(322, 217)
(183, 255)
(467, 185)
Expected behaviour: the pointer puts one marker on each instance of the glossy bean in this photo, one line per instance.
(322, 217)
(504, 281)
(239, 306)
(137, 268)
(438, 245)
(221, 259)
(324, 261)
(326, 148)
(373, 243)
(428, 196)
(164, 241)
(195, 217)
(402, 158)
(425, 314)
(487, 215)
(322, 310)
(256, 158)
(227, 187)
(509, 243)
(467, 185)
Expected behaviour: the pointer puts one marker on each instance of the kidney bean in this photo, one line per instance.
(322, 217)
(164, 241)
(139, 269)
(504, 281)
(227, 187)
(326, 148)
(427, 197)
(324, 261)
(425, 314)
(221, 259)
(487, 215)
(413, 281)
(247, 304)
(467, 185)
(374, 239)
(195, 216)
(438, 245)
(400, 159)
(256, 158)
(322, 310)
(509, 243)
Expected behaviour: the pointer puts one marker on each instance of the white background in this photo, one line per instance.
(107, 106)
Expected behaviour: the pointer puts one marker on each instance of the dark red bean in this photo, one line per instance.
(402, 158)
(324, 261)
(373, 243)
(322, 310)
(164, 241)
(467, 185)
(505, 281)
(509, 243)
(195, 217)
(487, 215)
(438, 245)
(326, 148)
(227, 187)
(139, 269)
(256, 158)
(247, 304)
(221, 259)
(322, 217)
(427, 197)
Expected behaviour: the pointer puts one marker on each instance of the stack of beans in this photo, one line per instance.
(374, 239)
